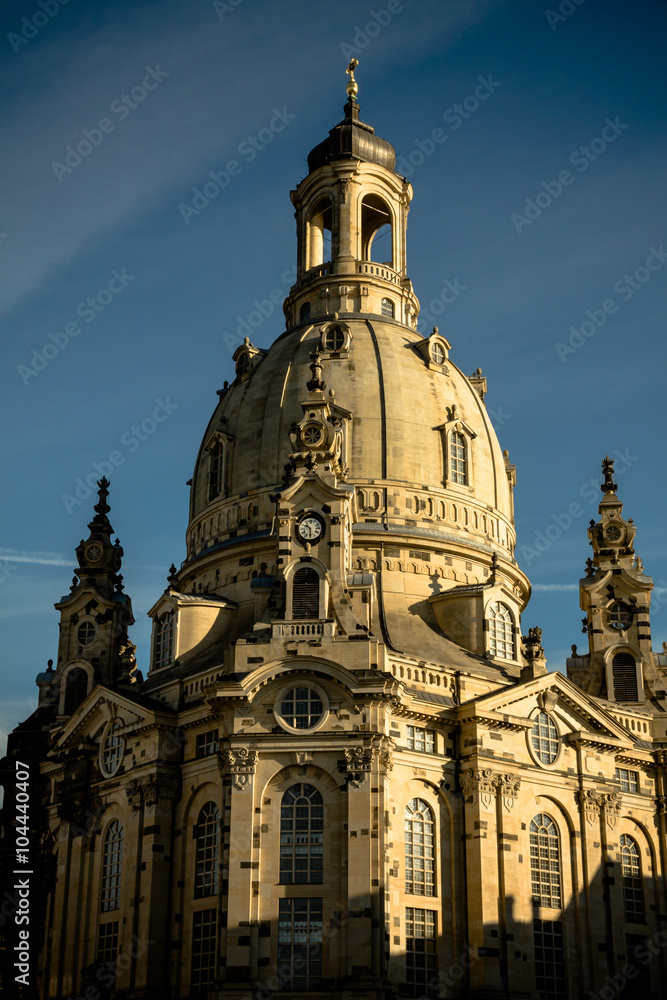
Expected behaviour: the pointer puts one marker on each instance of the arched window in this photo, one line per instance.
(545, 861)
(306, 594)
(304, 313)
(419, 849)
(215, 470)
(624, 675)
(113, 748)
(112, 863)
(301, 836)
(387, 307)
(76, 689)
(633, 893)
(501, 631)
(207, 851)
(164, 640)
(458, 463)
(376, 232)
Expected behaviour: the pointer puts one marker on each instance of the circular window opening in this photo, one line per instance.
(544, 739)
(613, 533)
(619, 616)
(301, 708)
(312, 435)
(438, 353)
(112, 749)
(86, 633)
(334, 338)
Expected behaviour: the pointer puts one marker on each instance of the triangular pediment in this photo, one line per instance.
(99, 708)
(577, 713)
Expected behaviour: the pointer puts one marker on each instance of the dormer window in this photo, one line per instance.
(438, 353)
(163, 652)
(215, 473)
(304, 313)
(387, 307)
(501, 631)
(334, 338)
(458, 464)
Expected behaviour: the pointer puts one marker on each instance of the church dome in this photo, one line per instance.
(355, 432)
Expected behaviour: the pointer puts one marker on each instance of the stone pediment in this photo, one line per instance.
(581, 718)
(97, 710)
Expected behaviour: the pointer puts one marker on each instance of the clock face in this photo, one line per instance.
(94, 553)
(310, 528)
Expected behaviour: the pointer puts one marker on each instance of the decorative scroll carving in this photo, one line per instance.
(508, 786)
(155, 790)
(590, 803)
(611, 802)
(241, 763)
(359, 761)
(478, 783)
(303, 756)
(387, 760)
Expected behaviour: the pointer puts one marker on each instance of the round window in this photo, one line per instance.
(312, 435)
(301, 707)
(438, 353)
(544, 739)
(334, 338)
(86, 633)
(113, 749)
(619, 616)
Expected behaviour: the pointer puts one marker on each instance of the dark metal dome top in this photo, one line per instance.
(352, 139)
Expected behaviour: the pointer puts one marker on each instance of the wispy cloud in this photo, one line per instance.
(41, 558)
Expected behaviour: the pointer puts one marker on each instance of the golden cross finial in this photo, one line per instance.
(352, 87)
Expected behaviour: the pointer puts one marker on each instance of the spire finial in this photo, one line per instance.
(608, 486)
(102, 507)
(352, 85)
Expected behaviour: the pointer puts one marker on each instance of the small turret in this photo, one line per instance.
(95, 615)
(615, 596)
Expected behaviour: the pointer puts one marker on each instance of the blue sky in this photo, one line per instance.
(170, 294)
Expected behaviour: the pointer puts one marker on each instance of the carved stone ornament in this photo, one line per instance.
(590, 803)
(241, 763)
(303, 756)
(155, 790)
(358, 763)
(612, 807)
(478, 784)
(508, 788)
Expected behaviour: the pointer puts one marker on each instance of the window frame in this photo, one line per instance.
(634, 902)
(417, 979)
(166, 619)
(297, 956)
(417, 862)
(111, 877)
(106, 757)
(546, 864)
(207, 851)
(293, 847)
(282, 696)
(492, 638)
(531, 735)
